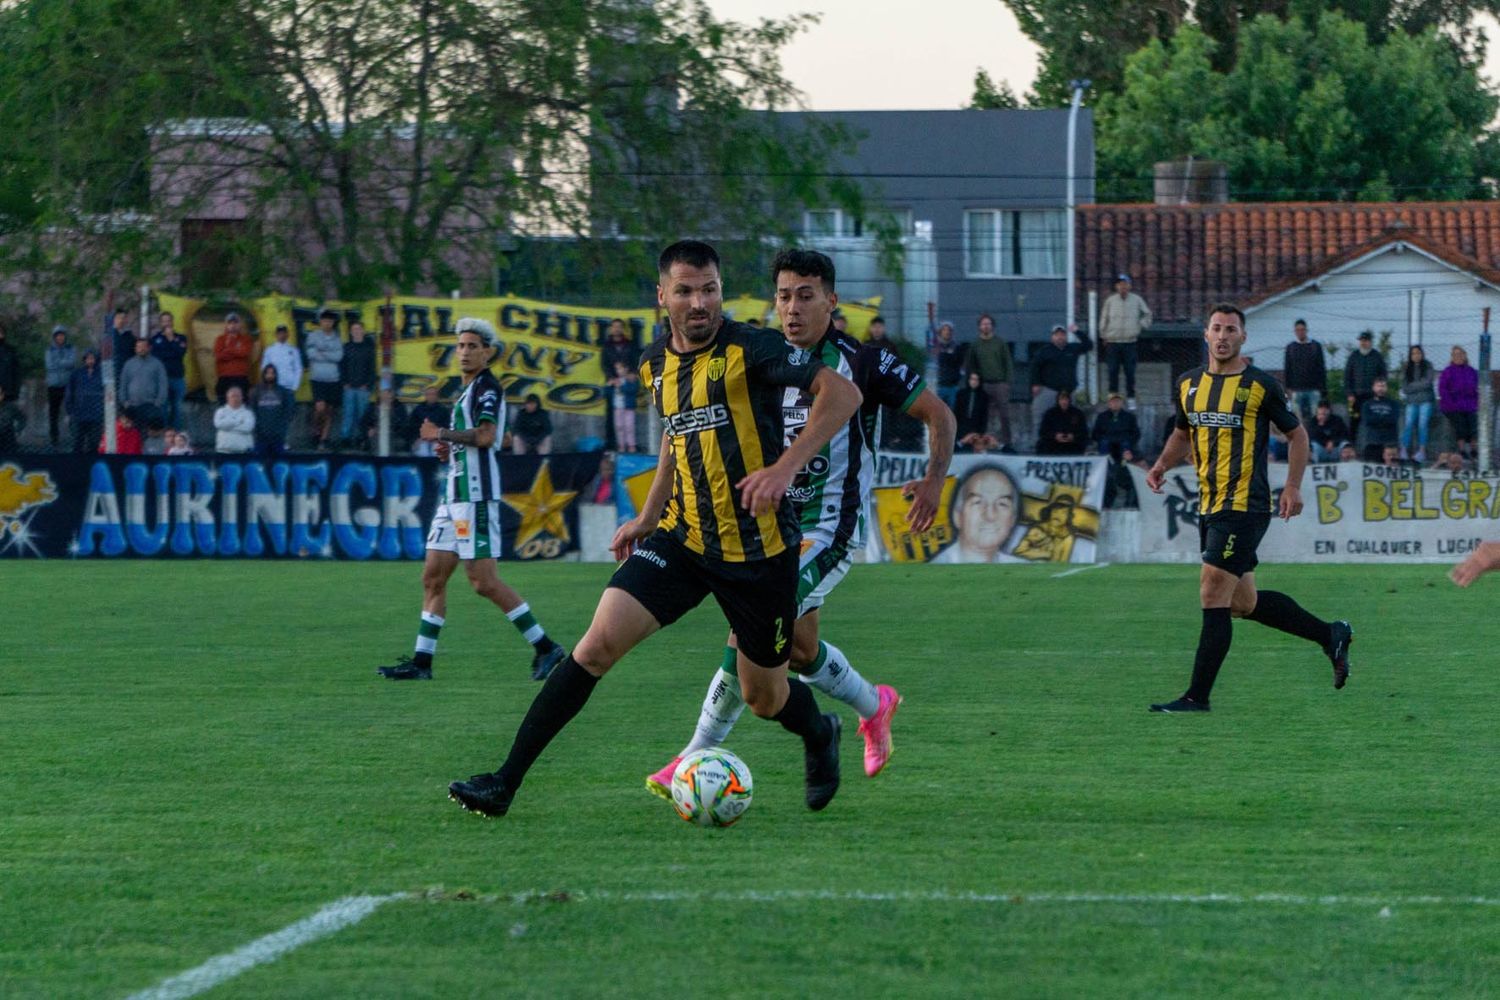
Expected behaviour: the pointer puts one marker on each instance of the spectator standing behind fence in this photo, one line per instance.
(324, 352)
(1380, 423)
(951, 357)
(617, 349)
(286, 359)
(1327, 432)
(10, 368)
(531, 431)
(428, 409)
(1304, 371)
(170, 348)
(990, 357)
(1116, 431)
(273, 405)
(84, 400)
(60, 361)
(12, 423)
(1418, 396)
(142, 391)
(971, 412)
(1458, 397)
(1122, 317)
(1364, 366)
(357, 370)
(233, 349)
(234, 424)
(1054, 369)
(1064, 429)
(118, 336)
(624, 387)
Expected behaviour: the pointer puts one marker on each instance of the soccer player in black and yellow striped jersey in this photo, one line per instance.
(714, 523)
(1225, 411)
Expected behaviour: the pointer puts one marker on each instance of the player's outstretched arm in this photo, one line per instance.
(1296, 465)
(925, 493)
(649, 516)
(1484, 559)
(835, 399)
(1172, 454)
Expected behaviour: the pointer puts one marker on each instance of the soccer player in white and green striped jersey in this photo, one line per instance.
(466, 526)
(830, 495)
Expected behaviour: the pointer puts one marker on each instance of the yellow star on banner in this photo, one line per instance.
(541, 508)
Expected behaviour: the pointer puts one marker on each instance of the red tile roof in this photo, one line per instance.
(1183, 258)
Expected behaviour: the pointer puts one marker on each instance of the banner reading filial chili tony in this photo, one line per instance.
(324, 507)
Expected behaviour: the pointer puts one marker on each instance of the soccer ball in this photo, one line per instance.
(711, 787)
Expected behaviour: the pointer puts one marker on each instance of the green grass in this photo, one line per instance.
(198, 754)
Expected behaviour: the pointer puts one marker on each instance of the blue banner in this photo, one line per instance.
(297, 507)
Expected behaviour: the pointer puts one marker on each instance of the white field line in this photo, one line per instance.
(1078, 569)
(351, 910)
(329, 920)
(942, 896)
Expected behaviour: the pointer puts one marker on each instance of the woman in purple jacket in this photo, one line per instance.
(1458, 395)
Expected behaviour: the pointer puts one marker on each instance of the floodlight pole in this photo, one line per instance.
(1078, 89)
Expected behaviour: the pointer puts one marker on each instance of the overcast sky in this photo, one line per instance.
(889, 54)
(897, 54)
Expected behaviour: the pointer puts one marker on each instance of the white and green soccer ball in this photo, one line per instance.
(711, 787)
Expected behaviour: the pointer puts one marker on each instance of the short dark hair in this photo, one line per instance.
(805, 263)
(280, 327)
(328, 314)
(122, 311)
(1227, 307)
(983, 317)
(878, 319)
(693, 253)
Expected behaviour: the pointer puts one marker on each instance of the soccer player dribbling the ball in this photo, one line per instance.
(713, 523)
(1224, 413)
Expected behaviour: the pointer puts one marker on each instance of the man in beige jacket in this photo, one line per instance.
(1122, 317)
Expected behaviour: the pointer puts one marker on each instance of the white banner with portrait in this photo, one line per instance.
(994, 509)
(1352, 512)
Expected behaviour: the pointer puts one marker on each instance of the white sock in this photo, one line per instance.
(721, 710)
(833, 675)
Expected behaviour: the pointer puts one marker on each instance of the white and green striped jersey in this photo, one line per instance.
(473, 472)
(831, 490)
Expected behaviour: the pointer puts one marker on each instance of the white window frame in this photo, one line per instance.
(1000, 223)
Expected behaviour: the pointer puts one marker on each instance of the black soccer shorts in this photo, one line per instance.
(1229, 539)
(759, 598)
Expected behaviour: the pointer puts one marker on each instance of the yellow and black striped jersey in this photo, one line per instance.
(721, 407)
(1227, 420)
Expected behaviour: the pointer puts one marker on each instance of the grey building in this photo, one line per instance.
(981, 197)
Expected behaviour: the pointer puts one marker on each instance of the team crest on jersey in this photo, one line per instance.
(1242, 394)
(715, 369)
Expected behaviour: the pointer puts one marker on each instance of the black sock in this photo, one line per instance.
(544, 645)
(1279, 611)
(422, 660)
(800, 715)
(567, 689)
(1213, 646)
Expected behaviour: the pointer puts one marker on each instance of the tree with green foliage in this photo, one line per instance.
(382, 143)
(990, 96)
(1309, 111)
(1093, 40)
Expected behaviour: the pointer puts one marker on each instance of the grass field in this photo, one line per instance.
(199, 754)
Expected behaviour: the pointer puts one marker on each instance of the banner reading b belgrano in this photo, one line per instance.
(994, 509)
(1352, 512)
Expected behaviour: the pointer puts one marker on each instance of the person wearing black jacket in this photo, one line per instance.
(1064, 429)
(10, 368)
(357, 372)
(84, 401)
(531, 431)
(1327, 432)
(971, 412)
(273, 406)
(1054, 369)
(951, 358)
(1304, 371)
(1116, 431)
(428, 409)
